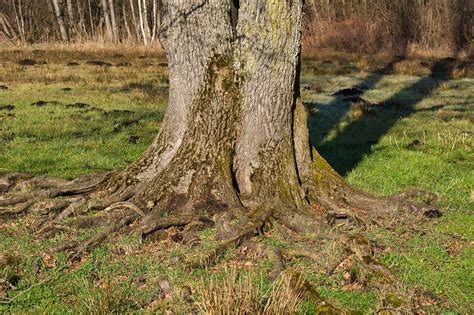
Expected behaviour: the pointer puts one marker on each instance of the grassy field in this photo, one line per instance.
(79, 111)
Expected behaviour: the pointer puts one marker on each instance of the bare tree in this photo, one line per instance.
(142, 12)
(72, 24)
(108, 24)
(60, 19)
(113, 20)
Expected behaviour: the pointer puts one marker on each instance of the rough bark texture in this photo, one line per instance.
(227, 135)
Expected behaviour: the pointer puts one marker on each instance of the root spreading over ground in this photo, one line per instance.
(339, 230)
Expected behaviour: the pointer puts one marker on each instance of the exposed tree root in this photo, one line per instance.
(414, 192)
(273, 253)
(100, 237)
(246, 229)
(336, 233)
(24, 201)
(10, 180)
(152, 223)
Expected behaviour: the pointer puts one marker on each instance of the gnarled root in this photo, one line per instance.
(43, 188)
(327, 232)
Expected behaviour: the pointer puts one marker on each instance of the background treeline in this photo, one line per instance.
(394, 25)
(351, 25)
(33, 21)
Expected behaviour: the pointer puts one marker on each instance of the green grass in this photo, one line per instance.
(416, 131)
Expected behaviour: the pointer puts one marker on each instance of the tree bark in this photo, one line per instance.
(113, 20)
(234, 134)
(134, 20)
(108, 24)
(72, 24)
(142, 13)
(60, 19)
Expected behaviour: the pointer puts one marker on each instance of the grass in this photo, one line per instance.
(407, 130)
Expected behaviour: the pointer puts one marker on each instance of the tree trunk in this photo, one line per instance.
(155, 20)
(234, 135)
(125, 22)
(143, 21)
(113, 20)
(71, 19)
(60, 19)
(134, 21)
(234, 138)
(108, 24)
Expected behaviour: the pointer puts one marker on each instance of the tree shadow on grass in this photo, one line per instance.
(348, 146)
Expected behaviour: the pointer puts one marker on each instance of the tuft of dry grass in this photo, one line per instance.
(240, 294)
(412, 67)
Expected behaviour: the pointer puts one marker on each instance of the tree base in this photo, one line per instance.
(338, 228)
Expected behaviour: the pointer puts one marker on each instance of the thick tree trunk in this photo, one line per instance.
(234, 138)
(235, 134)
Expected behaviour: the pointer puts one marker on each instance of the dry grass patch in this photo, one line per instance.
(243, 294)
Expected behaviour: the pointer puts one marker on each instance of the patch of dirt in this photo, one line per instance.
(78, 105)
(415, 144)
(7, 107)
(39, 103)
(358, 100)
(117, 112)
(14, 280)
(98, 63)
(123, 64)
(27, 62)
(163, 65)
(133, 139)
(433, 214)
(73, 64)
(125, 124)
(66, 89)
(42, 103)
(349, 92)
(8, 116)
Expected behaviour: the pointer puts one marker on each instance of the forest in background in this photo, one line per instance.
(361, 26)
